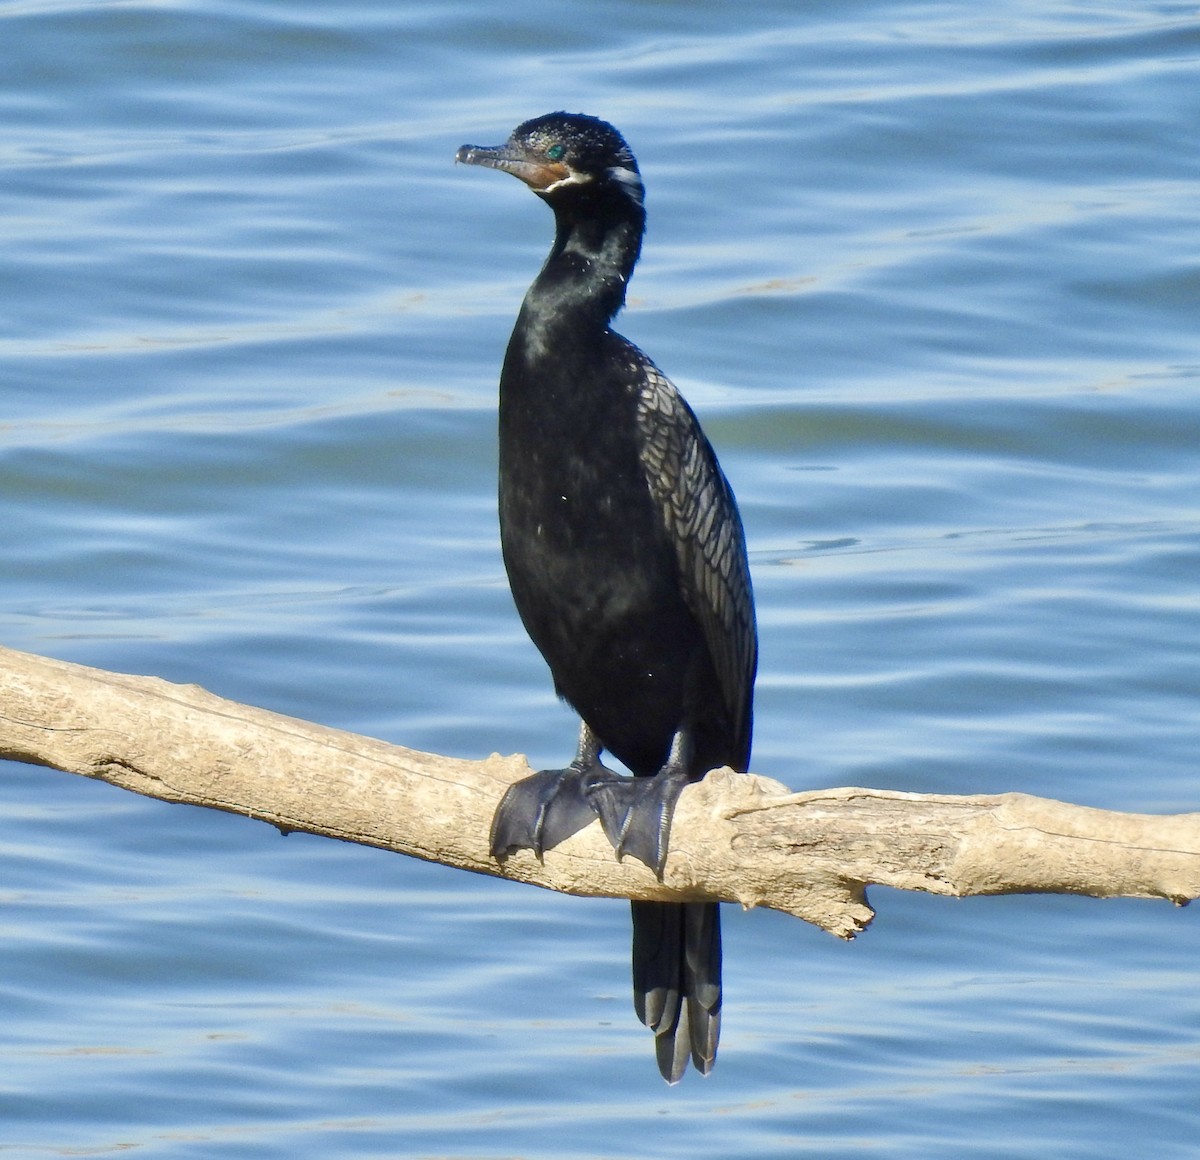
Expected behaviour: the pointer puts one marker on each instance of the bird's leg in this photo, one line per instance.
(636, 812)
(539, 811)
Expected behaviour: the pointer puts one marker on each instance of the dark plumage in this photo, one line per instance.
(627, 563)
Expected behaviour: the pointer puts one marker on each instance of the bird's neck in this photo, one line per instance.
(584, 279)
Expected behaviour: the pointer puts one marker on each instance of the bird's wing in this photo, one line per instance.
(702, 520)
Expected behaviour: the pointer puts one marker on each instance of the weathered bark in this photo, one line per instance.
(738, 838)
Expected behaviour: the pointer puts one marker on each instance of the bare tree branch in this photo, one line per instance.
(737, 838)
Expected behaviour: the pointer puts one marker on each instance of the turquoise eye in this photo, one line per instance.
(556, 152)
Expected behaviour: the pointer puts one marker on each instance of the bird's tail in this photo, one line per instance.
(677, 981)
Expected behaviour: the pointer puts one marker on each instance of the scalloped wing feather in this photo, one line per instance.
(703, 521)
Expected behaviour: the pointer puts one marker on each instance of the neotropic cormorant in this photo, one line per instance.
(627, 562)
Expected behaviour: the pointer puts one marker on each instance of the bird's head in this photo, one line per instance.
(562, 154)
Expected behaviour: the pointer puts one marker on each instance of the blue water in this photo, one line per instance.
(930, 274)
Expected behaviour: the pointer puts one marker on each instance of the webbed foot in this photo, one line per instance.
(636, 813)
(546, 808)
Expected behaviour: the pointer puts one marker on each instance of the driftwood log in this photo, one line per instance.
(736, 838)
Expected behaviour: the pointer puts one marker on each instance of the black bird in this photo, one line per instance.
(627, 562)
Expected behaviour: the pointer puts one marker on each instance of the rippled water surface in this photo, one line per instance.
(930, 274)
